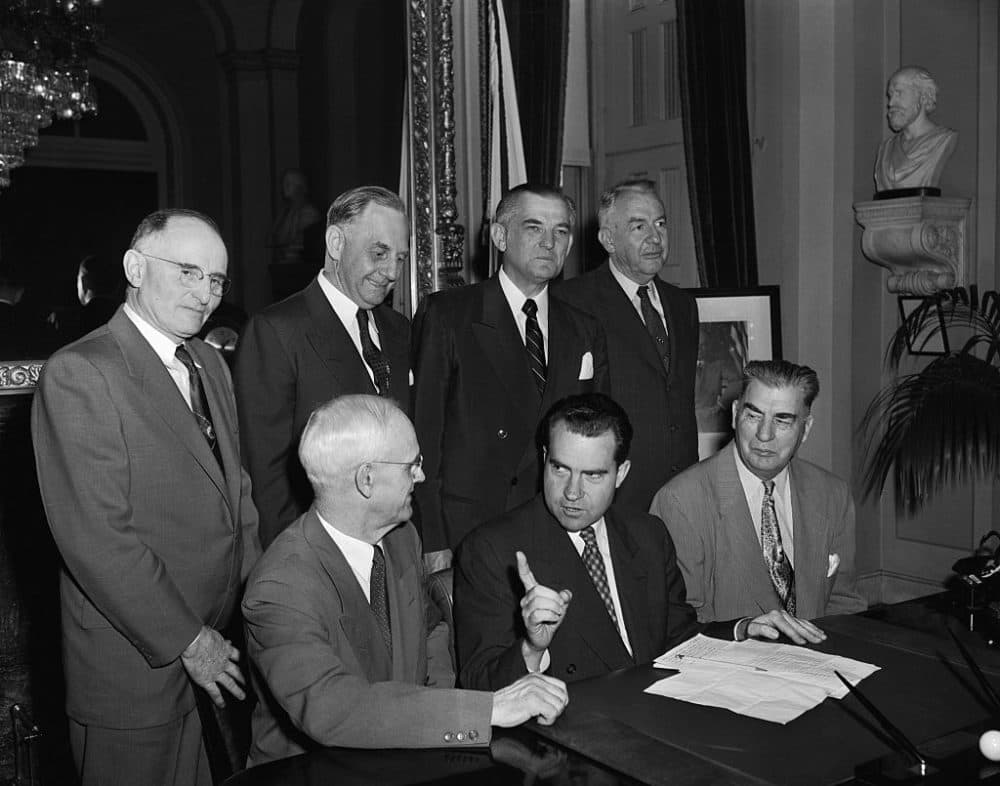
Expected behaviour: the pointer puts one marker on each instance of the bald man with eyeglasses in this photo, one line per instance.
(138, 459)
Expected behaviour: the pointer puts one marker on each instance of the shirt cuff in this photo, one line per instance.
(740, 629)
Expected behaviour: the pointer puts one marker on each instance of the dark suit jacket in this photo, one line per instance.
(660, 405)
(488, 593)
(156, 539)
(320, 665)
(292, 357)
(476, 407)
(706, 512)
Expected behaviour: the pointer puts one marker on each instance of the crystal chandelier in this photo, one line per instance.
(44, 45)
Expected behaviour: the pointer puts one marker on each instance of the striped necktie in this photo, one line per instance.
(535, 344)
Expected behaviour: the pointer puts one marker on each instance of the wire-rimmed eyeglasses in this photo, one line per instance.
(192, 275)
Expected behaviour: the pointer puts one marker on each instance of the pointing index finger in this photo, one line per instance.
(527, 577)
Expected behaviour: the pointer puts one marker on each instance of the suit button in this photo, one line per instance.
(673, 428)
(447, 736)
(571, 668)
(674, 468)
(473, 735)
(513, 481)
(460, 737)
(502, 434)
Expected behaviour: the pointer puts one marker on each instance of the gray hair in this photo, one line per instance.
(157, 221)
(343, 433)
(782, 374)
(351, 204)
(508, 204)
(609, 197)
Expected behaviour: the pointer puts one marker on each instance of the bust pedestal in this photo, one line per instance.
(920, 239)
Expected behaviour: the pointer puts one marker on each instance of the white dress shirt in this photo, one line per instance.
(601, 531)
(359, 555)
(632, 292)
(165, 349)
(516, 299)
(347, 312)
(753, 490)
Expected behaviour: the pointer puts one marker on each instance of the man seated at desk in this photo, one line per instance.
(336, 615)
(601, 589)
(755, 527)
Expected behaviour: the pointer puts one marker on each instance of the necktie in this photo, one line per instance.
(595, 567)
(775, 558)
(380, 599)
(199, 404)
(655, 326)
(535, 344)
(373, 355)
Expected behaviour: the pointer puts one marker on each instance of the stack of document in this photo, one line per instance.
(773, 682)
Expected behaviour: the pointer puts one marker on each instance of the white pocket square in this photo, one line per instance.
(834, 564)
(587, 366)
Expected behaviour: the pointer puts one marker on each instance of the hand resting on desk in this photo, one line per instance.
(533, 696)
(778, 621)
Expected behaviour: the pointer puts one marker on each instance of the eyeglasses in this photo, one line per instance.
(414, 466)
(192, 275)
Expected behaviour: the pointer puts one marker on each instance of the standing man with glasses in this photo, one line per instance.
(336, 336)
(755, 527)
(135, 437)
(489, 360)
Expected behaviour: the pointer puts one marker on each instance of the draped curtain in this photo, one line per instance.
(712, 52)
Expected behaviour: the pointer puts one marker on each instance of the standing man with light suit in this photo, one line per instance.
(336, 336)
(755, 527)
(489, 360)
(652, 330)
(135, 438)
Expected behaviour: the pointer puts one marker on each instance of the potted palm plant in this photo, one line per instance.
(941, 424)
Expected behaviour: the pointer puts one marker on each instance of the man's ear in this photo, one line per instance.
(498, 234)
(808, 428)
(607, 240)
(623, 469)
(134, 265)
(736, 411)
(364, 480)
(335, 240)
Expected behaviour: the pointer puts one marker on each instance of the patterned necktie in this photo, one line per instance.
(373, 355)
(655, 326)
(595, 567)
(535, 344)
(775, 558)
(380, 598)
(199, 404)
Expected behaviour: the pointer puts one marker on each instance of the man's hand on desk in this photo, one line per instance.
(543, 610)
(533, 696)
(210, 661)
(779, 621)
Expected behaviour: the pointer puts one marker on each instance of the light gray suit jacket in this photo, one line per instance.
(321, 668)
(720, 556)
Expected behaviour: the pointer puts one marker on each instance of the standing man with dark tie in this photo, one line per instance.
(489, 360)
(652, 330)
(336, 336)
(135, 438)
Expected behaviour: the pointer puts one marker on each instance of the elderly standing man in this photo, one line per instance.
(336, 611)
(135, 438)
(336, 336)
(755, 527)
(489, 360)
(652, 330)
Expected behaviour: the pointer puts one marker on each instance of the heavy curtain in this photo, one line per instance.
(712, 51)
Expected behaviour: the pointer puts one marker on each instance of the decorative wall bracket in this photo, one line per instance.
(921, 240)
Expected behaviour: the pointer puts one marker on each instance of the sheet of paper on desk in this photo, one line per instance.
(765, 680)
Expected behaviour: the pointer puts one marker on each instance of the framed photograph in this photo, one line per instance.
(933, 338)
(737, 325)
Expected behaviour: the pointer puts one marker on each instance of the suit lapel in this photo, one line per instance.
(674, 328)
(395, 345)
(563, 369)
(357, 622)
(563, 567)
(225, 427)
(630, 576)
(401, 581)
(809, 528)
(161, 393)
(623, 315)
(333, 344)
(498, 337)
(736, 525)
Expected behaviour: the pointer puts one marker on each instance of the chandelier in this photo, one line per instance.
(44, 45)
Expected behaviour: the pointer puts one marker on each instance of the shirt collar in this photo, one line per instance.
(345, 308)
(752, 485)
(631, 288)
(162, 345)
(358, 553)
(516, 298)
(598, 527)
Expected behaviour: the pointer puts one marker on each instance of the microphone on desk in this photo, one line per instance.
(887, 725)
